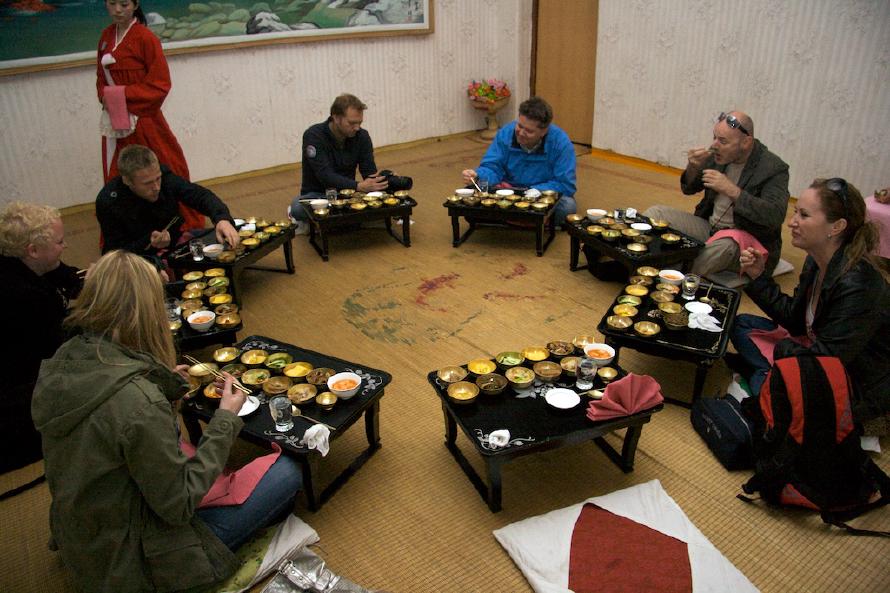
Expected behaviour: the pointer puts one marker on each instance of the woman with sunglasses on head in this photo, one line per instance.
(841, 306)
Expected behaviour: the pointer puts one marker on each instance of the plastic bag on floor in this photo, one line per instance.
(307, 573)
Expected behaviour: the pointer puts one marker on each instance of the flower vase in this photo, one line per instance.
(491, 118)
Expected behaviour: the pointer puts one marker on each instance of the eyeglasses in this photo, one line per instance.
(733, 122)
(838, 186)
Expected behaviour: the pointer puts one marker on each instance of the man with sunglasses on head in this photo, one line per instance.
(746, 197)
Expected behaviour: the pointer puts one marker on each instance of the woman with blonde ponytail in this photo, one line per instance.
(841, 306)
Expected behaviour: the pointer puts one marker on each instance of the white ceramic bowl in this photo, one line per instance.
(213, 251)
(345, 376)
(375, 194)
(595, 214)
(674, 277)
(464, 192)
(600, 361)
(201, 320)
(643, 227)
(562, 399)
(319, 203)
(504, 192)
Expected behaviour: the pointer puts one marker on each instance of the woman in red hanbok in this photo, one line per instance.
(133, 80)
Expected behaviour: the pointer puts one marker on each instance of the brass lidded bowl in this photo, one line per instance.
(670, 307)
(646, 329)
(629, 299)
(520, 377)
(321, 212)
(254, 357)
(606, 221)
(551, 193)
(192, 276)
(375, 204)
(509, 358)
(454, 199)
(549, 200)
(227, 354)
(203, 371)
(320, 376)
(272, 230)
(660, 296)
(302, 393)
(481, 366)
(535, 353)
(278, 360)
(276, 385)
(228, 320)
(625, 310)
(607, 374)
(637, 247)
(463, 392)
(619, 322)
(647, 271)
(452, 374)
(580, 341)
(297, 370)
(636, 290)
(347, 192)
(339, 204)
(226, 308)
(326, 400)
(236, 369)
(560, 348)
(491, 383)
(255, 376)
(640, 279)
(569, 365)
(547, 371)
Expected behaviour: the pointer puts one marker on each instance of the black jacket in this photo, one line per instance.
(35, 306)
(760, 209)
(852, 322)
(327, 165)
(127, 221)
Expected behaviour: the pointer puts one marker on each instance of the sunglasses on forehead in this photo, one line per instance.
(838, 186)
(733, 122)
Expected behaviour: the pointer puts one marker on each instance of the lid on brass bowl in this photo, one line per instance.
(302, 393)
(547, 371)
(535, 353)
(452, 374)
(276, 385)
(463, 392)
(619, 322)
(646, 329)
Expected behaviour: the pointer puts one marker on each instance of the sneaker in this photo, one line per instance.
(398, 221)
(302, 228)
(291, 218)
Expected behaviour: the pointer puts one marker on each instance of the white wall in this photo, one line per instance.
(813, 74)
(242, 110)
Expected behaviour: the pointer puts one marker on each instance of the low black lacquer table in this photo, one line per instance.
(260, 429)
(534, 427)
(187, 339)
(495, 216)
(320, 227)
(182, 261)
(701, 347)
(659, 254)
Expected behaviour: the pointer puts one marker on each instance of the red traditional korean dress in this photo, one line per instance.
(137, 62)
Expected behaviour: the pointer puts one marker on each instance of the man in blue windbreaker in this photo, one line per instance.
(533, 153)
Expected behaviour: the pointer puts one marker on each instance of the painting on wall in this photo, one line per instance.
(42, 34)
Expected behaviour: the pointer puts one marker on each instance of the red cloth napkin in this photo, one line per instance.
(237, 486)
(766, 340)
(626, 396)
(115, 100)
(613, 553)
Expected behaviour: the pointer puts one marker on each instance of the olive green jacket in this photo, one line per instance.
(123, 494)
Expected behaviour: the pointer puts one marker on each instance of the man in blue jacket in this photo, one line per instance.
(533, 153)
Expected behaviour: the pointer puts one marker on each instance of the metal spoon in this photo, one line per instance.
(297, 413)
(705, 298)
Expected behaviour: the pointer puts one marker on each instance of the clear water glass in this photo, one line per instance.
(483, 185)
(330, 194)
(280, 409)
(690, 286)
(173, 309)
(196, 246)
(584, 373)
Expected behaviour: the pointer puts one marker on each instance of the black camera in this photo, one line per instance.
(396, 182)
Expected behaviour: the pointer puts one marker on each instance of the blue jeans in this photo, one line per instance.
(749, 352)
(270, 502)
(296, 209)
(565, 206)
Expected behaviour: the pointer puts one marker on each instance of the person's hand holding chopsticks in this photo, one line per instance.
(232, 399)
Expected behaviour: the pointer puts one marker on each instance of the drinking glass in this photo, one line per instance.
(330, 194)
(173, 309)
(197, 248)
(690, 286)
(584, 373)
(280, 409)
(483, 185)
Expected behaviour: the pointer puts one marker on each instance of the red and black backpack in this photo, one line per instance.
(810, 454)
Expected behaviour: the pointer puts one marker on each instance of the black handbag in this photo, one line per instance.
(724, 428)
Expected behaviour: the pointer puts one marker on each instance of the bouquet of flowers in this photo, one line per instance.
(487, 91)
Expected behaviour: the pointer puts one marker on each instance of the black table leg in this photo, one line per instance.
(455, 231)
(312, 498)
(372, 425)
(701, 372)
(539, 238)
(406, 230)
(574, 251)
(624, 461)
(288, 248)
(493, 467)
(450, 428)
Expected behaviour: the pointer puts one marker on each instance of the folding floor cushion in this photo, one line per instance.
(636, 539)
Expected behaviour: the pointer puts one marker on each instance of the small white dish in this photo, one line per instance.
(249, 406)
(375, 194)
(464, 192)
(643, 227)
(248, 227)
(562, 399)
(698, 307)
(504, 192)
(594, 214)
(239, 221)
(213, 251)
(319, 203)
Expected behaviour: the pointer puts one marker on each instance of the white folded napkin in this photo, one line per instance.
(317, 438)
(705, 322)
(533, 193)
(499, 438)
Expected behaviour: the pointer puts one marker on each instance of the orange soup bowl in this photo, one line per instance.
(344, 385)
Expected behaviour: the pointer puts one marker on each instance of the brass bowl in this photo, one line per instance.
(194, 386)
(659, 225)
(255, 376)
(547, 371)
(669, 288)
(625, 310)
(504, 204)
(228, 320)
(214, 273)
(648, 271)
(213, 290)
(227, 257)
(261, 222)
(454, 199)
(227, 354)
(196, 285)
(283, 224)
(276, 385)
(660, 296)
(488, 202)
(175, 325)
(676, 321)
(606, 221)
(262, 236)
(491, 383)
(640, 279)
(541, 206)
(670, 307)
(637, 247)
(452, 374)
(191, 304)
(302, 393)
(646, 329)
(273, 230)
(251, 243)
(369, 198)
(560, 348)
(192, 294)
(629, 299)
(471, 201)
(236, 369)
(618, 226)
(569, 365)
(520, 377)
(513, 198)
(551, 193)
(509, 358)
(278, 360)
(580, 341)
(610, 235)
(391, 201)
(619, 322)
(670, 238)
(630, 233)
(523, 205)
(644, 239)
(222, 298)
(297, 370)
(402, 193)
(549, 200)
(347, 192)
(226, 309)
(636, 290)
(535, 353)
(322, 212)
(250, 220)
(607, 374)
(320, 376)
(192, 276)
(359, 207)
(326, 400)
(595, 229)
(375, 204)
(463, 392)
(254, 357)
(203, 371)
(211, 392)
(339, 204)
(481, 366)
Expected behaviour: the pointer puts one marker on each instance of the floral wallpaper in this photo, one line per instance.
(811, 73)
(243, 110)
